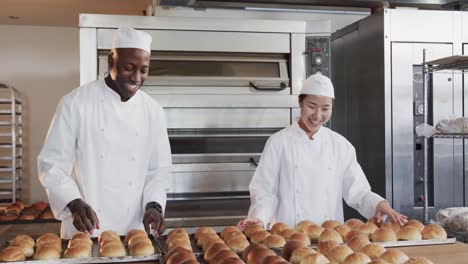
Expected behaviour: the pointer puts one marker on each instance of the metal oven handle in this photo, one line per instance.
(253, 162)
(268, 88)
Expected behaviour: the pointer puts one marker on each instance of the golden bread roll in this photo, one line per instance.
(176, 231)
(134, 232)
(252, 247)
(233, 234)
(278, 227)
(80, 242)
(330, 224)
(114, 249)
(232, 260)
(108, 235)
(23, 239)
(373, 220)
(204, 230)
(394, 256)
(395, 226)
(180, 243)
(222, 255)
(289, 248)
(229, 229)
(177, 250)
(47, 238)
(368, 228)
(238, 244)
(28, 251)
(354, 223)
(409, 233)
(274, 241)
(80, 235)
(189, 261)
(358, 242)
(433, 231)
(259, 236)
(338, 254)
(207, 237)
(12, 253)
(374, 251)
(301, 237)
(316, 258)
(287, 233)
(299, 254)
(273, 260)
(354, 233)
(256, 256)
(415, 223)
(142, 248)
(324, 247)
(213, 249)
(55, 244)
(418, 260)
(46, 252)
(383, 235)
(78, 252)
(378, 261)
(177, 236)
(330, 234)
(179, 257)
(314, 232)
(342, 230)
(357, 258)
(250, 230)
(301, 226)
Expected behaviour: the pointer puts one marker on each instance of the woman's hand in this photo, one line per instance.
(243, 224)
(383, 208)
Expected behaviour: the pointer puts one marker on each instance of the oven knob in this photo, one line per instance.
(318, 60)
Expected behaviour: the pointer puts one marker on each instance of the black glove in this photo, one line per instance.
(84, 217)
(154, 218)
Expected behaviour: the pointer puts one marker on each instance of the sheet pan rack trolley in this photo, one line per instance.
(11, 144)
(453, 65)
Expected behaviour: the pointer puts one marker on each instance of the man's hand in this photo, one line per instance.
(84, 217)
(383, 208)
(243, 224)
(153, 218)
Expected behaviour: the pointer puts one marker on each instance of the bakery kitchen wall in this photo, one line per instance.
(43, 64)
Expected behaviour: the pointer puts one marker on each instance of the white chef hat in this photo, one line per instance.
(318, 84)
(126, 37)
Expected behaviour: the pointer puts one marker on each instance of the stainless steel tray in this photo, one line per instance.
(424, 242)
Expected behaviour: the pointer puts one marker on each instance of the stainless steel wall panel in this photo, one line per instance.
(88, 55)
(464, 28)
(465, 114)
(218, 90)
(212, 181)
(297, 62)
(175, 40)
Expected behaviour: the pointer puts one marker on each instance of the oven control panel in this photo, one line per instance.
(318, 55)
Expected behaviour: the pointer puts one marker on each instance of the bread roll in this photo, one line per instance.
(28, 251)
(418, 260)
(203, 230)
(358, 242)
(46, 252)
(330, 224)
(179, 257)
(274, 241)
(177, 250)
(301, 226)
(142, 248)
(299, 254)
(12, 253)
(250, 248)
(273, 260)
(229, 229)
(342, 230)
(250, 230)
(287, 233)
(409, 233)
(78, 252)
(314, 231)
(114, 249)
(233, 260)
(180, 243)
(23, 239)
(289, 248)
(330, 234)
(368, 228)
(434, 231)
(316, 258)
(374, 251)
(46, 239)
(354, 223)
(57, 244)
(383, 235)
(278, 227)
(189, 261)
(79, 242)
(108, 235)
(238, 244)
(134, 232)
(324, 247)
(222, 255)
(81, 236)
(339, 253)
(213, 249)
(357, 258)
(177, 231)
(256, 256)
(259, 236)
(378, 261)
(373, 220)
(394, 256)
(415, 223)
(354, 233)
(395, 226)
(205, 238)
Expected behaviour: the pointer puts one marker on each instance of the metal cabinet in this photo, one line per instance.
(11, 142)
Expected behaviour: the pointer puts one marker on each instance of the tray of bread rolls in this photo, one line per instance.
(109, 247)
(19, 213)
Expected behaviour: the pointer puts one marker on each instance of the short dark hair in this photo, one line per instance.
(301, 97)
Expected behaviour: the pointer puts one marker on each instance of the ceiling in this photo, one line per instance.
(66, 12)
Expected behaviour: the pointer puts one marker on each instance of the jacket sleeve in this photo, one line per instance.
(264, 185)
(160, 164)
(56, 160)
(356, 189)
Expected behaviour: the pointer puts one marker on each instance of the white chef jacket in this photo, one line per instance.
(302, 179)
(114, 155)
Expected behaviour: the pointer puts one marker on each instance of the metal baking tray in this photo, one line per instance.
(424, 242)
(95, 258)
